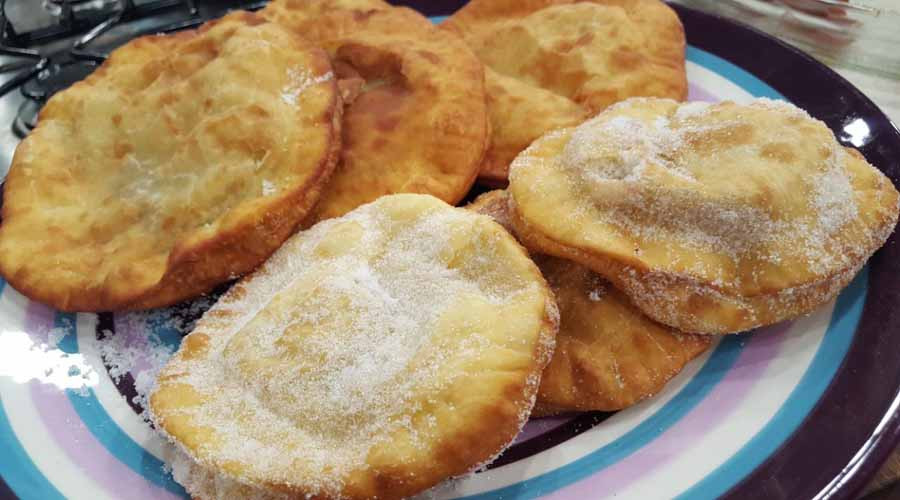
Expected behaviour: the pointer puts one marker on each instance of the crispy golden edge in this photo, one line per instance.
(577, 381)
(688, 304)
(465, 451)
(456, 454)
(195, 269)
(494, 204)
(494, 169)
(588, 393)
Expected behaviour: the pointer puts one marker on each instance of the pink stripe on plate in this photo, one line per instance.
(539, 426)
(697, 93)
(39, 322)
(725, 397)
(75, 439)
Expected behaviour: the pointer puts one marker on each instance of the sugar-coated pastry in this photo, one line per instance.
(372, 356)
(710, 218)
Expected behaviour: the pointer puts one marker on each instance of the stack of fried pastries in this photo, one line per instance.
(344, 367)
(608, 354)
(397, 341)
(207, 148)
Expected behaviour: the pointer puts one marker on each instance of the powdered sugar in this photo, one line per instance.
(621, 148)
(299, 79)
(640, 152)
(144, 341)
(690, 110)
(342, 338)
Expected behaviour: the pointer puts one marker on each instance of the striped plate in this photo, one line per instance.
(68, 428)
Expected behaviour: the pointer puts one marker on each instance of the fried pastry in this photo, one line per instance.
(416, 118)
(344, 366)
(711, 218)
(201, 154)
(520, 113)
(608, 355)
(584, 54)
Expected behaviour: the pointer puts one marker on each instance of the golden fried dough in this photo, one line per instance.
(344, 367)
(587, 53)
(520, 113)
(416, 119)
(201, 154)
(711, 218)
(608, 355)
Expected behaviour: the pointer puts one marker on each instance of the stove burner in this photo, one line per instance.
(40, 73)
(93, 3)
(26, 117)
(38, 89)
(67, 8)
(55, 78)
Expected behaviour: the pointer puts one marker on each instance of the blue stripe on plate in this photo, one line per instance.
(737, 75)
(716, 367)
(838, 337)
(105, 429)
(16, 467)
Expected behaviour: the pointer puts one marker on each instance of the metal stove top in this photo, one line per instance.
(46, 45)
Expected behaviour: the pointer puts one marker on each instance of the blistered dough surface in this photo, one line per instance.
(183, 161)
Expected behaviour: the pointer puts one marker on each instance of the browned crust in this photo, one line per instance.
(494, 169)
(686, 303)
(666, 24)
(193, 269)
(574, 382)
(496, 205)
(442, 142)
